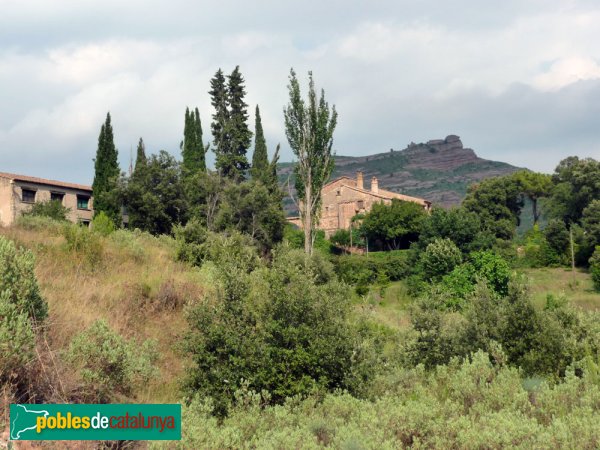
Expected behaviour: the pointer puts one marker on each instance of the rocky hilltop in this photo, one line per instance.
(439, 170)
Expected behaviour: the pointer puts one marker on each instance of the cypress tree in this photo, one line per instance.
(192, 148)
(140, 159)
(260, 160)
(200, 149)
(107, 172)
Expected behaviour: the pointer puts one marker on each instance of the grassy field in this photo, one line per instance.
(576, 287)
(392, 306)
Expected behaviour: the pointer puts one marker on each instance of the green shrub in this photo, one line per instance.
(493, 268)
(557, 236)
(82, 241)
(129, 242)
(18, 282)
(595, 268)
(109, 364)
(102, 224)
(17, 338)
(22, 309)
(52, 209)
(282, 329)
(440, 257)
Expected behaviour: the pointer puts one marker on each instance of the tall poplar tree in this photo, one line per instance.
(309, 129)
(192, 148)
(260, 159)
(106, 174)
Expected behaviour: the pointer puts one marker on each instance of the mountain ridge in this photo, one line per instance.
(439, 170)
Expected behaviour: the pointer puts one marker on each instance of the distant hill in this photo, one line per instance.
(439, 170)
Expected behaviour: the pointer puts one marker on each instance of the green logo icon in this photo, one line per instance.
(95, 422)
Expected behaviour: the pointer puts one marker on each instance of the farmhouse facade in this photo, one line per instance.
(18, 193)
(344, 197)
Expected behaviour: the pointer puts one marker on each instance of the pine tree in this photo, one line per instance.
(192, 148)
(107, 172)
(240, 134)
(220, 123)
(260, 160)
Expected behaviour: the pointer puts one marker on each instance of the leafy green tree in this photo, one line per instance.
(393, 226)
(461, 226)
(576, 184)
(595, 268)
(106, 174)
(557, 236)
(591, 222)
(250, 208)
(440, 257)
(309, 129)
(497, 202)
(535, 186)
(192, 147)
(155, 197)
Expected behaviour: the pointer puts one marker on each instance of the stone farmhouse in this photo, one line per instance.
(19, 192)
(343, 198)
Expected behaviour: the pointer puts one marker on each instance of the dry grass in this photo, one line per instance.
(139, 294)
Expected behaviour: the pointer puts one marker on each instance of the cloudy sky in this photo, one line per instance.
(518, 81)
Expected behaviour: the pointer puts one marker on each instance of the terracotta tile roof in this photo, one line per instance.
(12, 176)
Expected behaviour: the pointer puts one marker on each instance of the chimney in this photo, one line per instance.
(374, 185)
(359, 180)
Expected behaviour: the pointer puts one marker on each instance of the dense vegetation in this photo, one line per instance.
(210, 300)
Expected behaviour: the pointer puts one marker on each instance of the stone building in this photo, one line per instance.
(19, 192)
(343, 198)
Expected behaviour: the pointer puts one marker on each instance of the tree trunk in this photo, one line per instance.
(308, 218)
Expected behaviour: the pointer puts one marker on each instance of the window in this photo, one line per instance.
(84, 223)
(361, 204)
(27, 196)
(83, 202)
(56, 197)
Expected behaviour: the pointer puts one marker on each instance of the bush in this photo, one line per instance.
(18, 282)
(17, 338)
(108, 364)
(40, 223)
(22, 308)
(81, 240)
(102, 224)
(196, 245)
(52, 209)
(493, 268)
(557, 236)
(595, 268)
(282, 329)
(440, 257)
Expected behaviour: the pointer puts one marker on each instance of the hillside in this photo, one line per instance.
(439, 170)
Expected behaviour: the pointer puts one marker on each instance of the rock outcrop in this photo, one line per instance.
(439, 170)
